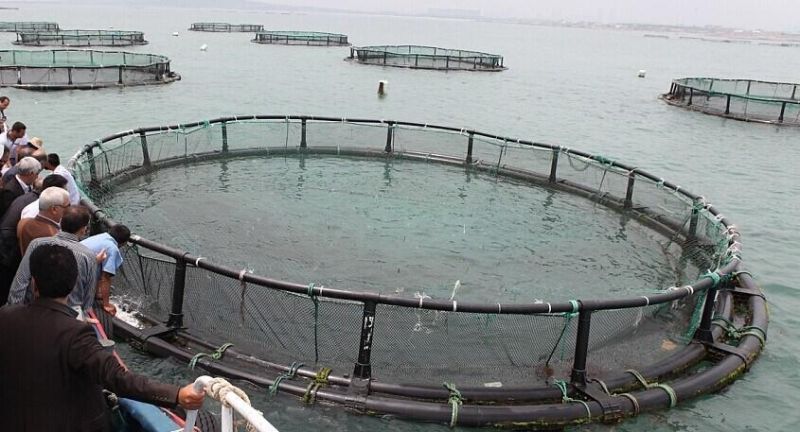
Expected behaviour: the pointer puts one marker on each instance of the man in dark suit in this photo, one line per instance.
(53, 369)
(27, 171)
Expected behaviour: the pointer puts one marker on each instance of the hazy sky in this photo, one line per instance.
(771, 14)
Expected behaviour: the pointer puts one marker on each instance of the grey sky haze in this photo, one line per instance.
(769, 14)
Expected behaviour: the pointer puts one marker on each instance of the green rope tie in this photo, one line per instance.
(455, 400)
(673, 397)
(291, 373)
(567, 318)
(314, 300)
(603, 160)
(562, 385)
(738, 333)
(216, 355)
(320, 379)
(714, 276)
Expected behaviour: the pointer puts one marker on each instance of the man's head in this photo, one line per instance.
(28, 169)
(4, 101)
(53, 161)
(25, 151)
(52, 203)
(17, 130)
(54, 271)
(54, 180)
(75, 220)
(120, 233)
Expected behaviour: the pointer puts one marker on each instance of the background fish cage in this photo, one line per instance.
(740, 99)
(426, 57)
(64, 69)
(498, 363)
(300, 38)
(225, 27)
(27, 26)
(75, 38)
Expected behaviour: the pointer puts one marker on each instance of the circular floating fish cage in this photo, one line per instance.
(300, 38)
(739, 99)
(532, 360)
(426, 57)
(81, 69)
(28, 26)
(81, 38)
(225, 27)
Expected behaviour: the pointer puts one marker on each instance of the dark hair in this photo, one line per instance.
(4, 98)
(18, 126)
(53, 159)
(75, 217)
(54, 270)
(120, 233)
(54, 180)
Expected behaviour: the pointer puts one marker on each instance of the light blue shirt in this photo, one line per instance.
(104, 241)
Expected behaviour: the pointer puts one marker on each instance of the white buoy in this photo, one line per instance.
(174, 33)
(642, 73)
(382, 87)
(203, 47)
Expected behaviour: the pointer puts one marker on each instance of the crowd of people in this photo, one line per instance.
(51, 274)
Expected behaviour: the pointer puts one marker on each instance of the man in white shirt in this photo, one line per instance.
(53, 164)
(11, 139)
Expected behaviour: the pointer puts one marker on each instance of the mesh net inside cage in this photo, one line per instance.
(27, 26)
(425, 57)
(81, 68)
(300, 38)
(750, 100)
(226, 27)
(410, 344)
(81, 38)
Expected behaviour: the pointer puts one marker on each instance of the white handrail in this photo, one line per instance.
(230, 402)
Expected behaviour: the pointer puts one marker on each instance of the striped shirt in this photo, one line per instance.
(83, 293)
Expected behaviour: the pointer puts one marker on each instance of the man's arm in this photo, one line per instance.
(88, 357)
(88, 284)
(104, 292)
(20, 292)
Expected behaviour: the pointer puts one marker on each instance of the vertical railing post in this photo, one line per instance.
(119, 81)
(69, 75)
(693, 220)
(794, 90)
(629, 190)
(691, 95)
(224, 137)
(554, 165)
(389, 138)
(703, 333)
(145, 150)
(92, 166)
(303, 142)
(783, 110)
(748, 87)
(728, 105)
(363, 368)
(470, 141)
(581, 348)
(176, 312)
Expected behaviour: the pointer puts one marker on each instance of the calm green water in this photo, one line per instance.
(577, 88)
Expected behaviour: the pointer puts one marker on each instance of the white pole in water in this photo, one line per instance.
(642, 73)
(235, 404)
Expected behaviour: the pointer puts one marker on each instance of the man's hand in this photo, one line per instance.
(189, 398)
(110, 308)
(101, 256)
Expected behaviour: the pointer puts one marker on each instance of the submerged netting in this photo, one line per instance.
(225, 27)
(426, 57)
(300, 38)
(25, 26)
(749, 100)
(390, 350)
(78, 69)
(81, 38)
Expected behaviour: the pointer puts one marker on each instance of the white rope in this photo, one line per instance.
(197, 261)
(218, 388)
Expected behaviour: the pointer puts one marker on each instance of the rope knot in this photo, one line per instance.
(455, 400)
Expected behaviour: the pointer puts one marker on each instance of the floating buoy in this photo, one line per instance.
(174, 33)
(203, 47)
(382, 85)
(642, 73)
